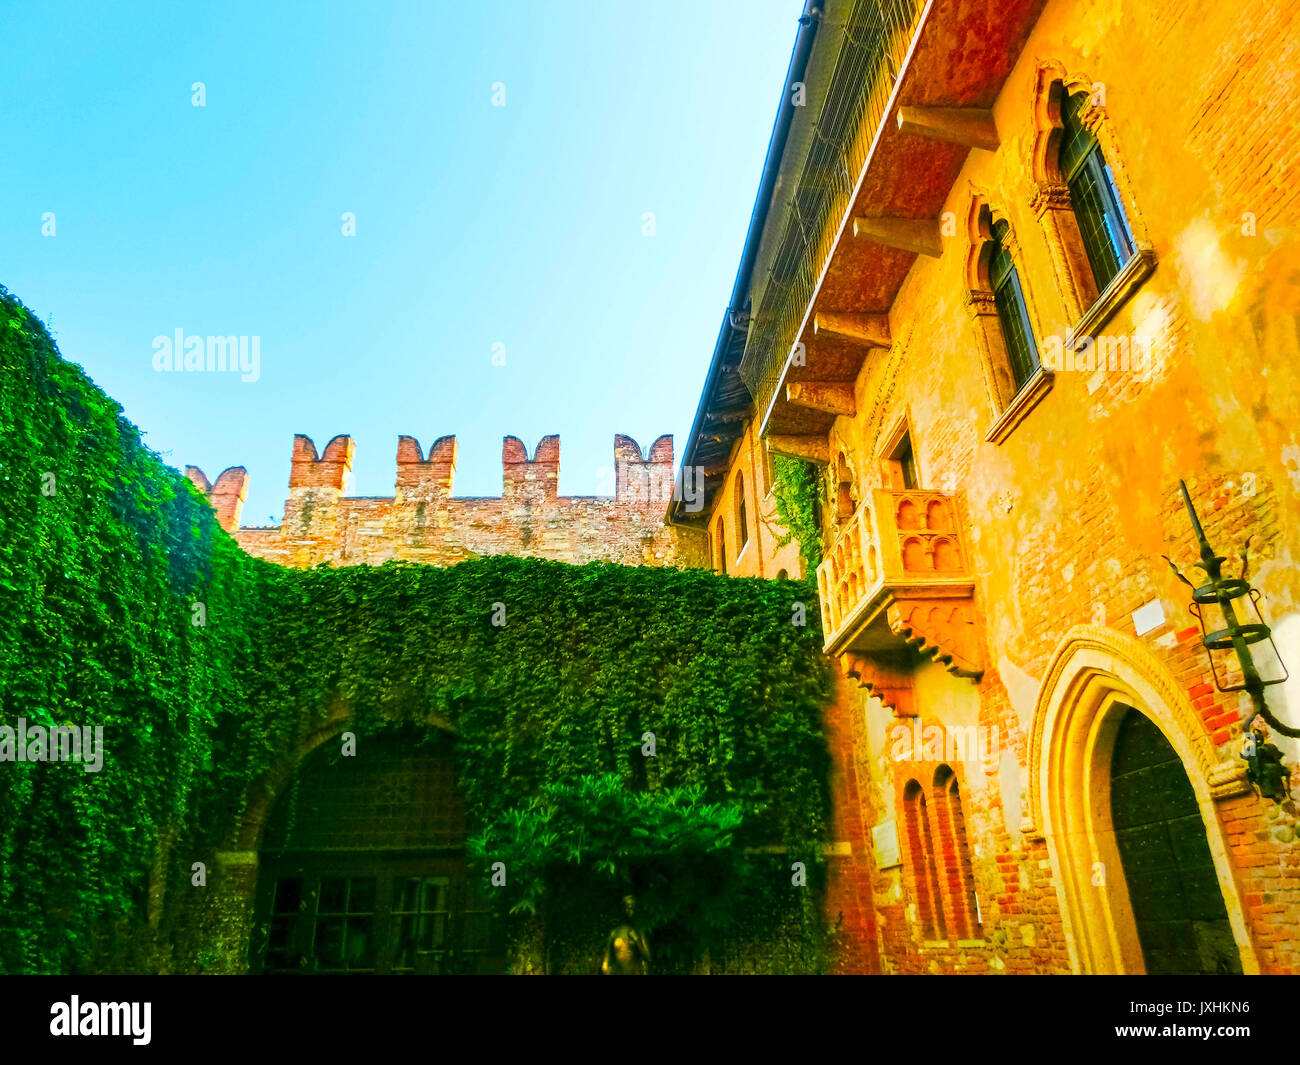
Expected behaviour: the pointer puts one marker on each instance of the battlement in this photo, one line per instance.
(226, 494)
(423, 522)
(420, 479)
(647, 477)
(327, 471)
(535, 478)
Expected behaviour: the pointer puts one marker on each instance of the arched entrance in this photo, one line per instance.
(1182, 923)
(1122, 786)
(363, 868)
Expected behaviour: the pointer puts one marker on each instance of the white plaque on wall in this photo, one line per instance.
(884, 840)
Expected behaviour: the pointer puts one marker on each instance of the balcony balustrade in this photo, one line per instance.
(897, 575)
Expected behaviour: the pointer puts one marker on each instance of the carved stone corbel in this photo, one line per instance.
(892, 686)
(943, 629)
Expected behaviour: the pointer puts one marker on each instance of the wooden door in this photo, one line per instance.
(1172, 883)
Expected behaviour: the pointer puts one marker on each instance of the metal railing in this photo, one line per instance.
(875, 40)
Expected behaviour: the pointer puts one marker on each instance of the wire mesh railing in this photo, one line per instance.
(874, 41)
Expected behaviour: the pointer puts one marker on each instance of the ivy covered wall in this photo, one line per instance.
(124, 606)
(800, 494)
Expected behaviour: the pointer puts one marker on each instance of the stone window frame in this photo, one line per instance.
(891, 475)
(1010, 404)
(1085, 306)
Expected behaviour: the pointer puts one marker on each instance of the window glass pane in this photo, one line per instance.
(432, 931)
(1088, 193)
(1013, 313)
(404, 955)
(333, 894)
(281, 931)
(288, 894)
(330, 932)
(406, 894)
(906, 460)
(435, 895)
(361, 898)
(1000, 265)
(1107, 238)
(360, 943)
(1076, 142)
(742, 531)
(1117, 228)
(279, 948)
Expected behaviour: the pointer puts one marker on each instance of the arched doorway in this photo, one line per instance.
(1103, 833)
(363, 868)
(1182, 922)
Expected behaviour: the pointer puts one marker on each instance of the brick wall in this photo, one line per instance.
(759, 553)
(424, 522)
(1068, 518)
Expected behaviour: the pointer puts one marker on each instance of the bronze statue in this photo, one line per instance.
(627, 951)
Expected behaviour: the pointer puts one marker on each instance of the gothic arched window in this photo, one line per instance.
(1103, 224)
(1013, 313)
(742, 525)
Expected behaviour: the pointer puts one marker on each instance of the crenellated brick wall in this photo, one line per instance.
(424, 522)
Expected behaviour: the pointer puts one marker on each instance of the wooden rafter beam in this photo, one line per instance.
(831, 397)
(738, 414)
(870, 329)
(809, 448)
(919, 235)
(969, 126)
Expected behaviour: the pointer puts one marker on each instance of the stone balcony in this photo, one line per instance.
(897, 582)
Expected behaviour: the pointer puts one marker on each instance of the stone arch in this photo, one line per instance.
(1095, 676)
(981, 215)
(234, 891)
(1052, 83)
(264, 791)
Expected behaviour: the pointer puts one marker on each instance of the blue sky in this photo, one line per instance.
(476, 225)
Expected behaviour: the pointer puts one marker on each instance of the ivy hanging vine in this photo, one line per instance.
(800, 497)
(105, 552)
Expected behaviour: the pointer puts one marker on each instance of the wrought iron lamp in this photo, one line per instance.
(1264, 759)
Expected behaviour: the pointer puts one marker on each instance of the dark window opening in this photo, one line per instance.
(906, 460)
(364, 870)
(959, 874)
(925, 874)
(900, 467)
(742, 536)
